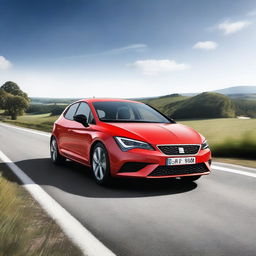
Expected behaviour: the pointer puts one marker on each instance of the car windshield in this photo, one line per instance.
(122, 111)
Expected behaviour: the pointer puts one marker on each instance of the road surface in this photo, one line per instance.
(213, 216)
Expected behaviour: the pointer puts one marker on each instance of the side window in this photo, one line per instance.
(71, 111)
(84, 109)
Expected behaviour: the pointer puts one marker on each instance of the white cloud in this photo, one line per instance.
(154, 67)
(206, 45)
(229, 27)
(4, 63)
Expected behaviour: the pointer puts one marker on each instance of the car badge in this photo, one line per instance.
(181, 150)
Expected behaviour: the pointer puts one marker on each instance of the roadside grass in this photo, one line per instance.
(229, 137)
(244, 147)
(42, 122)
(25, 229)
(218, 130)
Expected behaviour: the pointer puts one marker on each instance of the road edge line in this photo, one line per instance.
(228, 165)
(75, 231)
(225, 169)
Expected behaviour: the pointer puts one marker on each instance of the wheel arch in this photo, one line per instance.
(55, 137)
(52, 136)
(93, 145)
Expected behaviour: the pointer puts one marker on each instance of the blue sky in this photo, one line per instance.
(114, 48)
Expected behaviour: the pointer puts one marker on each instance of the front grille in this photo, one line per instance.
(132, 166)
(174, 150)
(179, 169)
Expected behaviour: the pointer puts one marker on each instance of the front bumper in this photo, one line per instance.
(150, 162)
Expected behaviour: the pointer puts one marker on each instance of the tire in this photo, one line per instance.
(100, 165)
(56, 157)
(191, 178)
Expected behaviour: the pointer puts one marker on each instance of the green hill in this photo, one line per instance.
(160, 102)
(204, 105)
(245, 107)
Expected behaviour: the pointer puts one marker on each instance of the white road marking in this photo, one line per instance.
(231, 166)
(225, 169)
(78, 234)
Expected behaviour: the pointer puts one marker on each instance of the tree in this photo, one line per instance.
(13, 100)
(3, 96)
(14, 89)
(15, 105)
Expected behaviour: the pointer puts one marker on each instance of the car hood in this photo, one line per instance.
(157, 133)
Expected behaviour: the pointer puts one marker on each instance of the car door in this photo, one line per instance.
(64, 139)
(82, 136)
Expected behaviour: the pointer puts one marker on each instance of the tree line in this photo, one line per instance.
(13, 100)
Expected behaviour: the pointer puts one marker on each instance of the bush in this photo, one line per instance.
(44, 109)
(38, 109)
(245, 107)
(241, 148)
(57, 110)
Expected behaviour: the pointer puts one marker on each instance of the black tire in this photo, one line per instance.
(56, 157)
(100, 164)
(191, 178)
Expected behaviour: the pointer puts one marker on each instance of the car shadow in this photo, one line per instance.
(77, 179)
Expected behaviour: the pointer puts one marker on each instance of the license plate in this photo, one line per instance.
(180, 160)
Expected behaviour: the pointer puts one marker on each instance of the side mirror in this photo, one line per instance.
(82, 119)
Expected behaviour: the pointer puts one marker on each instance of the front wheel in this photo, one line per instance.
(191, 178)
(56, 157)
(100, 165)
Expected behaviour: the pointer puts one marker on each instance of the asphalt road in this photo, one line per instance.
(213, 216)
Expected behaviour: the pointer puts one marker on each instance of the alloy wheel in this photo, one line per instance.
(54, 150)
(99, 163)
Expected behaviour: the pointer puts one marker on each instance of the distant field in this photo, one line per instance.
(217, 130)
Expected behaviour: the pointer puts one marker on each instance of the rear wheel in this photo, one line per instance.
(191, 178)
(100, 165)
(56, 157)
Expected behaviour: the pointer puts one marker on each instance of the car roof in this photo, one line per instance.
(91, 100)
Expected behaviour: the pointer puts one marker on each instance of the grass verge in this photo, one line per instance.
(243, 147)
(25, 229)
(42, 122)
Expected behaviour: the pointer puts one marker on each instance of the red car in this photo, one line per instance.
(124, 138)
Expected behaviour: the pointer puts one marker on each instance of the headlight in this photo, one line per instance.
(126, 144)
(205, 145)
